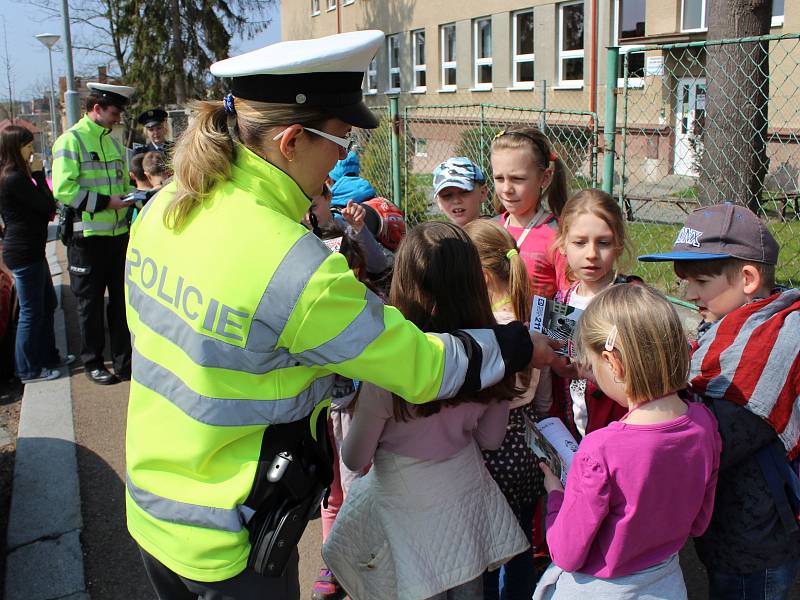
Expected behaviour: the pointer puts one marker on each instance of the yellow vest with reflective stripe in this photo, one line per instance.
(87, 160)
(239, 320)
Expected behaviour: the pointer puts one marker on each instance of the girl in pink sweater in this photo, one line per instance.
(638, 488)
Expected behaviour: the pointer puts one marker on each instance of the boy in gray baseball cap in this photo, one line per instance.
(727, 257)
(744, 366)
(460, 188)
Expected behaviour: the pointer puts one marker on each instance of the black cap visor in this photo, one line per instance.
(118, 100)
(357, 115)
(337, 94)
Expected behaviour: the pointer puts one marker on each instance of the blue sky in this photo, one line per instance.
(29, 66)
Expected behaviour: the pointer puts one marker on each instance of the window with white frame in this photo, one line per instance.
(314, 7)
(372, 77)
(523, 60)
(418, 59)
(393, 51)
(448, 55)
(570, 44)
(420, 147)
(694, 15)
(346, 2)
(482, 52)
(629, 23)
(331, 4)
(777, 13)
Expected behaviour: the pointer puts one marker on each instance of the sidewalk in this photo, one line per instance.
(45, 558)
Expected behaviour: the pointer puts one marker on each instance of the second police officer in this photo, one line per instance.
(90, 178)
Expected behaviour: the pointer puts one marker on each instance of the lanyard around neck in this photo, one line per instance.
(539, 218)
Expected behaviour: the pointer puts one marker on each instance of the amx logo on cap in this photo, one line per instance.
(689, 236)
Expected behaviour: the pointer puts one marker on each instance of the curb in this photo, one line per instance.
(45, 557)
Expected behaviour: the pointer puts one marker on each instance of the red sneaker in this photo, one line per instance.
(326, 587)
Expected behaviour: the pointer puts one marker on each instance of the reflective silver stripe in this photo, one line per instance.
(79, 199)
(284, 289)
(203, 350)
(228, 412)
(80, 142)
(362, 331)
(455, 365)
(88, 182)
(117, 147)
(184, 513)
(93, 226)
(91, 202)
(92, 165)
(492, 366)
(64, 153)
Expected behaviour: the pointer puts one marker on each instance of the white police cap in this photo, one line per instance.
(118, 94)
(324, 73)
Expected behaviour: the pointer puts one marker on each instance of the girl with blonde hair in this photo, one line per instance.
(513, 465)
(592, 238)
(639, 488)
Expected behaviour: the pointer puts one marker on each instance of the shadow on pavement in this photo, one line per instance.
(111, 557)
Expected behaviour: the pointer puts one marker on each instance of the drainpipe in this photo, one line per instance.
(593, 71)
(338, 17)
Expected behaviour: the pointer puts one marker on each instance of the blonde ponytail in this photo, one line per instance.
(500, 257)
(205, 151)
(202, 157)
(519, 287)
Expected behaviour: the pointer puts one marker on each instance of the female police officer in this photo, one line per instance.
(240, 317)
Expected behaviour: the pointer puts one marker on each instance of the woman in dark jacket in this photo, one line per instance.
(27, 205)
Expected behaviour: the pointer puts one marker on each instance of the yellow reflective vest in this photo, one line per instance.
(88, 167)
(239, 320)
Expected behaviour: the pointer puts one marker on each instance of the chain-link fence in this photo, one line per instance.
(697, 123)
(431, 134)
(707, 122)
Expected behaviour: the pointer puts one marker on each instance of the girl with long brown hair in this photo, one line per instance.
(27, 205)
(428, 477)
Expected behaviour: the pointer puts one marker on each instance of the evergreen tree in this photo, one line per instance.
(174, 42)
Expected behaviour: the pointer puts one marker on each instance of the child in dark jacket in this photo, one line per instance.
(747, 368)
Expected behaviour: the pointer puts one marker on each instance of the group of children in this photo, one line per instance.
(676, 440)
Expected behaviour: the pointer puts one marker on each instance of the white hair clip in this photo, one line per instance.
(611, 339)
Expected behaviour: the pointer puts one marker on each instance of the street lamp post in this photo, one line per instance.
(71, 96)
(49, 40)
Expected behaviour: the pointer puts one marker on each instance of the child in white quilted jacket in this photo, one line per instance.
(428, 519)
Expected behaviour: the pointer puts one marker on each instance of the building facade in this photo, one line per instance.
(551, 56)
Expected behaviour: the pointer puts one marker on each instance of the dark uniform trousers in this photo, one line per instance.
(247, 585)
(97, 263)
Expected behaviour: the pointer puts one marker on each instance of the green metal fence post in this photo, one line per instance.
(394, 115)
(482, 138)
(610, 130)
(624, 133)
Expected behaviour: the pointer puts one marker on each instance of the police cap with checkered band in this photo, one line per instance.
(325, 73)
(118, 95)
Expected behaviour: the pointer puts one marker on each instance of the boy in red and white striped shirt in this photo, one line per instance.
(746, 366)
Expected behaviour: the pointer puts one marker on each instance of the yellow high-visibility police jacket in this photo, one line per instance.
(88, 167)
(239, 320)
